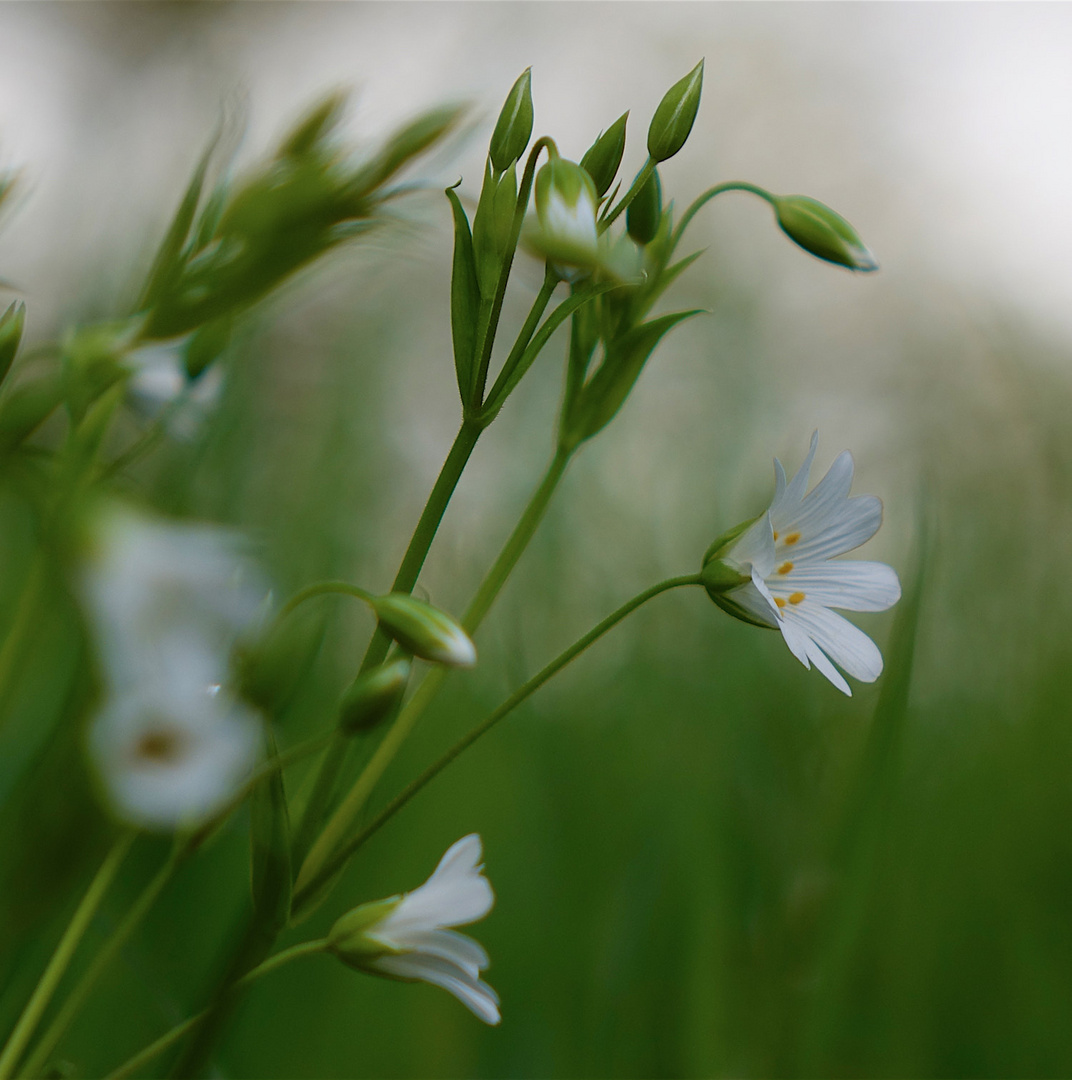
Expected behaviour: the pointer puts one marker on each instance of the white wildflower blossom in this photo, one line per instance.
(411, 937)
(159, 383)
(786, 574)
(166, 603)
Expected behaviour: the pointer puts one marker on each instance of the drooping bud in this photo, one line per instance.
(514, 126)
(822, 232)
(11, 325)
(645, 211)
(566, 204)
(374, 695)
(424, 630)
(602, 158)
(673, 119)
(348, 938)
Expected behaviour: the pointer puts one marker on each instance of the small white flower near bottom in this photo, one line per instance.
(172, 755)
(409, 937)
(783, 572)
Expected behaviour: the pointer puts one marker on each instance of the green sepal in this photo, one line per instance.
(12, 323)
(464, 298)
(514, 126)
(673, 119)
(348, 938)
(271, 873)
(822, 232)
(720, 546)
(644, 213)
(718, 577)
(603, 158)
(604, 394)
(738, 612)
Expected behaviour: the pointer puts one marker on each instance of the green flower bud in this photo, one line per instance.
(11, 324)
(566, 204)
(424, 630)
(673, 119)
(374, 695)
(602, 158)
(348, 939)
(644, 213)
(822, 232)
(514, 126)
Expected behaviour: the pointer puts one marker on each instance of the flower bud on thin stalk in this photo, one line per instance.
(424, 630)
(673, 119)
(822, 232)
(374, 695)
(602, 158)
(514, 126)
(566, 203)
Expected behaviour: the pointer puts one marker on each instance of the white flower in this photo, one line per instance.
(787, 576)
(171, 755)
(160, 383)
(566, 206)
(166, 603)
(410, 937)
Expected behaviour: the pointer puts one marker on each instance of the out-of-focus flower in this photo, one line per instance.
(409, 937)
(780, 570)
(166, 603)
(160, 382)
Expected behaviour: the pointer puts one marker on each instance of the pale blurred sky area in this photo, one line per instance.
(943, 130)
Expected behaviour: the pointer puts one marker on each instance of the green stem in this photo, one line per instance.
(322, 588)
(642, 178)
(332, 865)
(143, 1057)
(344, 814)
(61, 958)
(702, 200)
(25, 614)
(405, 579)
(112, 946)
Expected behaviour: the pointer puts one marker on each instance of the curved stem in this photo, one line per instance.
(143, 1057)
(322, 588)
(344, 814)
(702, 200)
(61, 958)
(344, 852)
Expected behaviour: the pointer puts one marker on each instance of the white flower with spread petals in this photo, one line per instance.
(409, 937)
(782, 570)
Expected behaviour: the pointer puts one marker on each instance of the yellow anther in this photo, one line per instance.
(796, 597)
(792, 538)
(785, 568)
(775, 534)
(779, 601)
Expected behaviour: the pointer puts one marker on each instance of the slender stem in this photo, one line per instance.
(642, 178)
(344, 814)
(143, 1057)
(61, 958)
(76, 999)
(405, 579)
(701, 200)
(332, 865)
(321, 588)
(25, 614)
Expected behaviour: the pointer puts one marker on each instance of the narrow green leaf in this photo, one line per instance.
(464, 298)
(605, 393)
(11, 325)
(271, 874)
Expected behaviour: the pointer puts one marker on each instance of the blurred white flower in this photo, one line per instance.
(409, 937)
(159, 382)
(166, 603)
(789, 579)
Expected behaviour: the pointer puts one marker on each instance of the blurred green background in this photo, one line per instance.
(707, 861)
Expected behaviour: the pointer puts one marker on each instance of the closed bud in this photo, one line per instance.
(11, 325)
(602, 158)
(566, 204)
(673, 119)
(514, 126)
(424, 630)
(374, 695)
(822, 232)
(645, 211)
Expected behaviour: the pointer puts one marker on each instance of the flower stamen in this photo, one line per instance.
(785, 568)
(792, 538)
(796, 598)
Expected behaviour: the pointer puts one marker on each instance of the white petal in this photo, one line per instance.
(823, 501)
(797, 641)
(823, 665)
(853, 585)
(851, 524)
(794, 491)
(751, 598)
(475, 994)
(448, 945)
(754, 548)
(848, 646)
